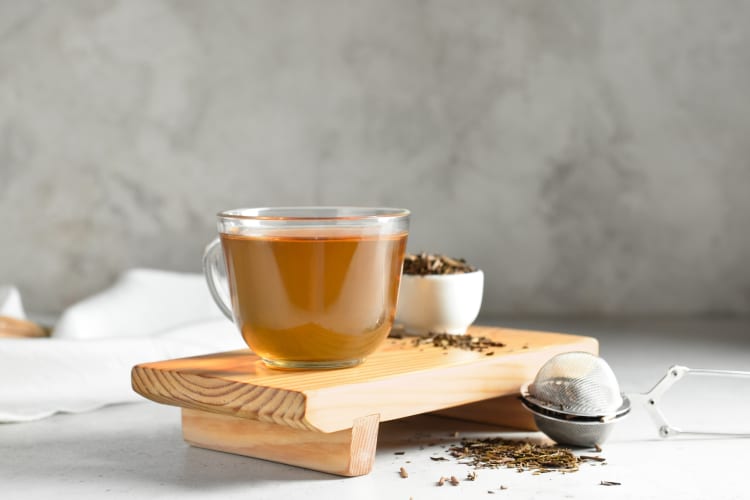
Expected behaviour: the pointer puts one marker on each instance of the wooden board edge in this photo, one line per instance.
(263, 404)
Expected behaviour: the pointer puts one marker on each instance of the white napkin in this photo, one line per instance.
(146, 316)
(10, 302)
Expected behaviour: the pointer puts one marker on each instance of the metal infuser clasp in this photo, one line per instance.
(652, 398)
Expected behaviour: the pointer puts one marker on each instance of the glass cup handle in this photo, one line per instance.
(215, 271)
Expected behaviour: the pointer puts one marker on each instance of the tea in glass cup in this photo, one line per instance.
(310, 287)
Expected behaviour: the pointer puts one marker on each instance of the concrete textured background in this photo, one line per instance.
(593, 157)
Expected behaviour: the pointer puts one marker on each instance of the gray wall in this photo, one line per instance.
(593, 157)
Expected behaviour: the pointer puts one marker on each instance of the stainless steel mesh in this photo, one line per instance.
(577, 383)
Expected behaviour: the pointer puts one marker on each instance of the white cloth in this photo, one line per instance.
(10, 303)
(146, 316)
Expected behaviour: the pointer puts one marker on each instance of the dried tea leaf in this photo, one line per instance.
(465, 342)
(493, 453)
(423, 264)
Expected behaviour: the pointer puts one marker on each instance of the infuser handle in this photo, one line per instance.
(214, 269)
(673, 375)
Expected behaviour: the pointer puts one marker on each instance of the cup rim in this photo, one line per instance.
(445, 276)
(308, 213)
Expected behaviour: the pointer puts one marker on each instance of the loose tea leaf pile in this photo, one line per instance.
(494, 453)
(423, 264)
(466, 342)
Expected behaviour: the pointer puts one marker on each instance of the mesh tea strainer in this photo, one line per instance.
(576, 400)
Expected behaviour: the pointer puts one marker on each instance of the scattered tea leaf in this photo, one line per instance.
(610, 483)
(465, 342)
(493, 453)
(441, 481)
(402, 472)
(454, 481)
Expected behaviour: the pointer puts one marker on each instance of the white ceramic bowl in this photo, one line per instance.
(439, 303)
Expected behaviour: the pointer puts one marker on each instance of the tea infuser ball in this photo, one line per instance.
(575, 399)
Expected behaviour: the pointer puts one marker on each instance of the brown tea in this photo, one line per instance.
(314, 298)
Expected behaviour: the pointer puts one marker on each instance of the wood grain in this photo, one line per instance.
(399, 380)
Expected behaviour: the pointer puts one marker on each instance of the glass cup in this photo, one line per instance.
(309, 287)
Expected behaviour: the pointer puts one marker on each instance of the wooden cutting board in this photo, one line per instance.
(327, 420)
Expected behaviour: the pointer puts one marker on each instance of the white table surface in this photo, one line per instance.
(136, 450)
